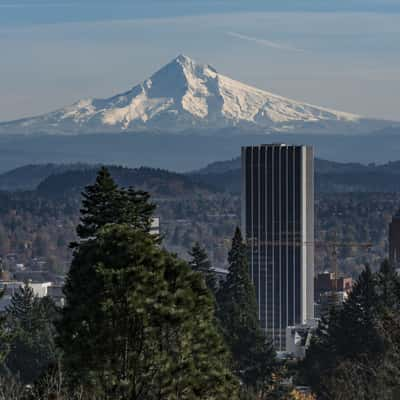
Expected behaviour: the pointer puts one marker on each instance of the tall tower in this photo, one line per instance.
(278, 224)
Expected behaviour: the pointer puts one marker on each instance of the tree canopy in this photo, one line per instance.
(139, 323)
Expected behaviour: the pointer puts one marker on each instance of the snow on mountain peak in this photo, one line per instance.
(182, 95)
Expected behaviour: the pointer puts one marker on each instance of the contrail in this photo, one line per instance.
(264, 42)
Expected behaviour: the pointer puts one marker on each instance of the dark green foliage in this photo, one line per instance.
(105, 203)
(143, 324)
(139, 323)
(4, 336)
(254, 358)
(356, 352)
(388, 286)
(199, 262)
(31, 335)
(101, 204)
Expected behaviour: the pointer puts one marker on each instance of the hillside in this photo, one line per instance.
(330, 176)
(30, 176)
(156, 181)
(60, 180)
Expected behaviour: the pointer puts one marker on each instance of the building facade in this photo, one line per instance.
(278, 225)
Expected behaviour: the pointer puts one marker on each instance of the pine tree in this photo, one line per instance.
(104, 203)
(138, 323)
(4, 335)
(144, 325)
(388, 283)
(139, 210)
(353, 336)
(21, 306)
(356, 330)
(101, 204)
(30, 324)
(254, 358)
(200, 263)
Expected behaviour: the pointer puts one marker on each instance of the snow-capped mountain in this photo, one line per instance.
(185, 95)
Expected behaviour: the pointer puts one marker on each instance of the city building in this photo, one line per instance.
(325, 282)
(55, 292)
(220, 274)
(394, 241)
(330, 292)
(278, 225)
(298, 339)
(10, 287)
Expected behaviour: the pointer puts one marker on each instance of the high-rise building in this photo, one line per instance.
(394, 241)
(278, 225)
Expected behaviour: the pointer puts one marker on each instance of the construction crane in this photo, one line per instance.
(333, 296)
(334, 244)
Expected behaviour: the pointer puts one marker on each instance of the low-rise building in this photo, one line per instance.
(298, 338)
(40, 289)
(55, 292)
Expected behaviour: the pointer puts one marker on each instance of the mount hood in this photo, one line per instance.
(184, 96)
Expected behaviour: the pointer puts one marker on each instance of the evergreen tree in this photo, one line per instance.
(144, 326)
(138, 323)
(105, 203)
(4, 336)
(138, 210)
(254, 358)
(356, 331)
(388, 286)
(21, 307)
(200, 263)
(30, 324)
(101, 204)
(364, 334)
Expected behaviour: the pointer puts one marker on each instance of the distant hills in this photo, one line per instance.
(156, 181)
(30, 176)
(69, 179)
(321, 166)
(330, 176)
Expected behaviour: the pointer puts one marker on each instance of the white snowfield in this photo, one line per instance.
(185, 95)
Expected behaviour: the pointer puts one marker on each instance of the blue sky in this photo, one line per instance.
(340, 54)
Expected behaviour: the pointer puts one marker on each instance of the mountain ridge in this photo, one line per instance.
(185, 95)
(222, 176)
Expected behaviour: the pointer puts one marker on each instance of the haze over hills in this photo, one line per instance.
(223, 176)
(330, 176)
(184, 96)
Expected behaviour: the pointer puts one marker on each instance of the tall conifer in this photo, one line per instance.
(358, 335)
(106, 203)
(199, 262)
(31, 334)
(138, 323)
(253, 355)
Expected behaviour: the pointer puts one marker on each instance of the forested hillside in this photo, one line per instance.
(40, 223)
(330, 176)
